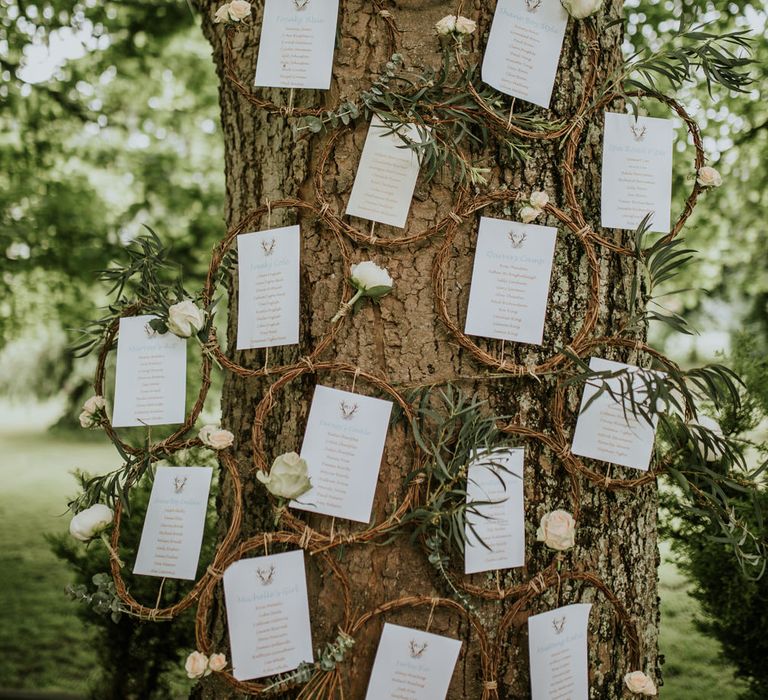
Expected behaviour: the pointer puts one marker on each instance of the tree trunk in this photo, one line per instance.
(404, 341)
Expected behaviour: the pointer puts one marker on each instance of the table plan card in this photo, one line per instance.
(174, 523)
(268, 308)
(524, 48)
(386, 175)
(510, 281)
(412, 665)
(557, 646)
(150, 377)
(268, 615)
(343, 446)
(608, 430)
(498, 477)
(296, 45)
(637, 172)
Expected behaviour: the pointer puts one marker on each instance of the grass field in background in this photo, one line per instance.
(43, 645)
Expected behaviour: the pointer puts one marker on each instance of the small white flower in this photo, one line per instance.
(185, 318)
(580, 9)
(239, 10)
(557, 530)
(288, 477)
(539, 200)
(709, 177)
(222, 14)
(466, 26)
(528, 214)
(94, 404)
(216, 438)
(217, 662)
(711, 452)
(90, 522)
(87, 420)
(447, 25)
(197, 665)
(368, 275)
(639, 683)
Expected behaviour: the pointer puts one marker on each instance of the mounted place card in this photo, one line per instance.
(637, 172)
(502, 524)
(268, 308)
(607, 431)
(510, 281)
(557, 646)
(174, 523)
(524, 48)
(296, 45)
(343, 446)
(268, 615)
(412, 665)
(386, 176)
(150, 377)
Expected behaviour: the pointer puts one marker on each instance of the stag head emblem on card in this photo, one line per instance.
(149, 331)
(638, 132)
(348, 410)
(268, 246)
(517, 238)
(559, 624)
(300, 4)
(179, 482)
(532, 5)
(266, 575)
(417, 650)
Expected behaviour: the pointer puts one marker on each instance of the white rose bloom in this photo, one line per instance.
(288, 476)
(89, 523)
(464, 25)
(639, 683)
(185, 318)
(709, 177)
(217, 662)
(86, 420)
(239, 9)
(94, 404)
(222, 14)
(197, 665)
(215, 437)
(447, 25)
(367, 275)
(528, 214)
(557, 530)
(579, 9)
(711, 452)
(539, 199)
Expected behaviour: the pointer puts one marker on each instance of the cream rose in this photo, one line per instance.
(89, 523)
(185, 318)
(709, 177)
(216, 438)
(86, 420)
(94, 404)
(447, 25)
(711, 452)
(557, 530)
(368, 275)
(288, 476)
(580, 9)
(217, 662)
(639, 683)
(464, 25)
(239, 9)
(539, 200)
(528, 214)
(197, 665)
(222, 14)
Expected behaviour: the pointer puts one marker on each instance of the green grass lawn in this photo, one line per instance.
(43, 645)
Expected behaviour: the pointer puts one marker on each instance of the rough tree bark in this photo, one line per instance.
(405, 341)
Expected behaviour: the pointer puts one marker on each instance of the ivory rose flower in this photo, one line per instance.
(288, 477)
(711, 452)
(447, 25)
(90, 523)
(222, 14)
(580, 9)
(466, 26)
(639, 683)
(239, 10)
(217, 662)
(368, 275)
(557, 530)
(539, 199)
(185, 318)
(216, 438)
(91, 409)
(197, 665)
(528, 214)
(709, 177)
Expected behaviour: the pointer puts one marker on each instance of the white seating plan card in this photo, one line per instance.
(343, 446)
(412, 665)
(268, 615)
(174, 523)
(386, 176)
(150, 377)
(607, 431)
(502, 524)
(296, 44)
(637, 172)
(268, 296)
(510, 281)
(524, 48)
(557, 646)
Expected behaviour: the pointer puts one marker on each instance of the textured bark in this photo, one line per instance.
(405, 341)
